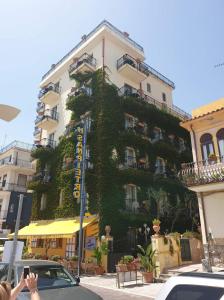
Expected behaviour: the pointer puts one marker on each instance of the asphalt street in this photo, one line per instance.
(110, 294)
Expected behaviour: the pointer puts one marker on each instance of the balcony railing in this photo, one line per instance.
(37, 131)
(40, 107)
(85, 58)
(17, 144)
(50, 87)
(203, 172)
(174, 110)
(80, 91)
(43, 176)
(48, 113)
(17, 162)
(46, 143)
(6, 186)
(142, 67)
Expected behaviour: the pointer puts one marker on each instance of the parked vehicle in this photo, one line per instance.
(54, 281)
(193, 286)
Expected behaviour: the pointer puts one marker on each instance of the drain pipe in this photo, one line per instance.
(194, 142)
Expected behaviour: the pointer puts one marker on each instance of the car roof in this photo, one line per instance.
(35, 262)
(209, 275)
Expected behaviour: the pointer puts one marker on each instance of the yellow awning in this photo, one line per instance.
(63, 228)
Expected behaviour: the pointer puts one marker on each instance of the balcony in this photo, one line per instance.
(138, 71)
(17, 165)
(11, 187)
(86, 63)
(84, 90)
(45, 143)
(43, 176)
(49, 94)
(48, 120)
(203, 172)
(40, 108)
(131, 69)
(37, 133)
(129, 91)
(141, 164)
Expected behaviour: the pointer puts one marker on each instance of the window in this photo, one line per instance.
(220, 139)
(130, 122)
(34, 243)
(39, 243)
(195, 292)
(149, 87)
(207, 147)
(70, 247)
(128, 90)
(164, 97)
(61, 198)
(130, 158)
(43, 202)
(157, 134)
(22, 179)
(4, 180)
(160, 167)
(131, 197)
(182, 146)
(51, 138)
(55, 243)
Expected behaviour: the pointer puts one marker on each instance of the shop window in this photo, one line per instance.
(160, 167)
(220, 139)
(130, 158)
(55, 243)
(39, 243)
(207, 147)
(70, 248)
(34, 243)
(131, 197)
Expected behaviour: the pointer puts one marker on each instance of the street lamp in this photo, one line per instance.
(8, 113)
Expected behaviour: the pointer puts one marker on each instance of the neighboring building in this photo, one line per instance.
(15, 170)
(141, 150)
(205, 175)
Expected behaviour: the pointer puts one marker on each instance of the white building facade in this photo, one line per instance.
(122, 58)
(15, 170)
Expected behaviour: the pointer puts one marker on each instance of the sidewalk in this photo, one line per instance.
(108, 281)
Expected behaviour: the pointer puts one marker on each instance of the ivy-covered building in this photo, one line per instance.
(135, 145)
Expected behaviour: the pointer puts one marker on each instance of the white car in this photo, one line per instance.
(193, 286)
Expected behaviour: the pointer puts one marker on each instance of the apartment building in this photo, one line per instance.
(139, 151)
(205, 175)
(15, 170)
(124, 60)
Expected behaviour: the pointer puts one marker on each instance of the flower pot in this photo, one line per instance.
(131, 267)
(148, 276)
(99, 270)
(156, 228)
(121, 268)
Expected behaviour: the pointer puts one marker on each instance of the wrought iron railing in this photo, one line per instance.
(37, 131)
(17, 162)
(46, 143)
(48, 113)
(40, 107)
(142, 67)
(174, 110)
(85, 58)
(50, 87)
(43, 176)
(203, 172)
(6, 186)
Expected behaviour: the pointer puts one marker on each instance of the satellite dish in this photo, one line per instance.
(8, 113)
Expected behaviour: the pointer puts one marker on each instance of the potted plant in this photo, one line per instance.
(212, 158)
(148, 265)
(98, 252)
(128, 261)
(156, 226)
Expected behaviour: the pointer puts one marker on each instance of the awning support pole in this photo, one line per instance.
(82, 199)
(14, 245)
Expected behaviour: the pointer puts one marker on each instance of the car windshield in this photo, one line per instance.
(51, 276)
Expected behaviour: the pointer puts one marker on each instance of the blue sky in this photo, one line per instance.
(182, 39)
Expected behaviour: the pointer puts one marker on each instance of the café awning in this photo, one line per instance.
(61, 228)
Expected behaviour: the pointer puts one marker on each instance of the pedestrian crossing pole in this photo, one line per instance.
(79, 189)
